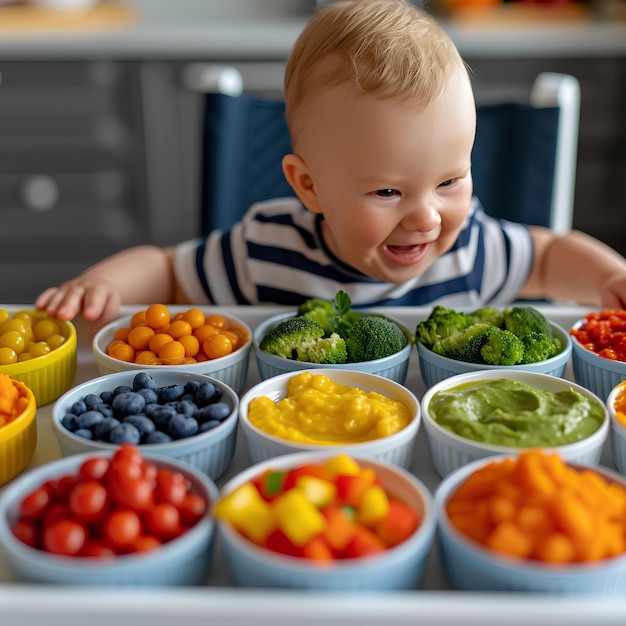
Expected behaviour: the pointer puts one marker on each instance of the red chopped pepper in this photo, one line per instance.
(603, 333)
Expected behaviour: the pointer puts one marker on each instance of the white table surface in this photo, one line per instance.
(218, 602)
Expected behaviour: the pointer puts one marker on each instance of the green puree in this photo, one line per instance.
(510, 413)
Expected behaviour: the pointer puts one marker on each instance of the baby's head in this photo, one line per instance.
(387, 48)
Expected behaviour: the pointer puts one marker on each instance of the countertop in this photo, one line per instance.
(139, 34)
(218, 602)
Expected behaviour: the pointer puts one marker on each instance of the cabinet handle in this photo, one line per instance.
(40, 192)
(211, 78)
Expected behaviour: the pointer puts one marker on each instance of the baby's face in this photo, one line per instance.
(393, 181)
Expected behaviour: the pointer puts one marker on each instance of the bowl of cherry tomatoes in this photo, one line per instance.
(109, 519)
(186, 338)
(39, 351)
(599, 350)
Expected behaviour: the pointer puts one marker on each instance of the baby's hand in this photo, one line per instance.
(98, 302)
(614, 292)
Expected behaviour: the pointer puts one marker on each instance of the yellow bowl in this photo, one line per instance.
(18, 439)
(50, 375)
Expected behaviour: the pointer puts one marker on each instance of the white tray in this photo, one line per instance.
(219, 602)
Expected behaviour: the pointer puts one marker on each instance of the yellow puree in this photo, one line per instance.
(321, 411)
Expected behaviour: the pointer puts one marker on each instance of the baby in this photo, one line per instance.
(382, 120)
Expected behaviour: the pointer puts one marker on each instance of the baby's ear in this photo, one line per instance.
(297, 174)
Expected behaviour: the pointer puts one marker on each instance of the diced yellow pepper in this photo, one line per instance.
(317, 490)
(374, 505)
(342, 464)
(298, 518)
(248, 512)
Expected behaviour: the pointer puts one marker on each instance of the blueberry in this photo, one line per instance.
(180, 427)
(122, 389)
(125, 433)
(105, 409)
(102, 429)
(218, 411)
(191, 387)
(186, 407)
(150, 396)
(150, 408)
(144, 424)
(78, 407)
(171, 393)
(162, 416)
(70, 421)
(158, 436)
(85, 433)
(208, 425)
(143, 380)
(128, 403)
(89, 419)
(207, 392)
(90, 399)
(106, 397)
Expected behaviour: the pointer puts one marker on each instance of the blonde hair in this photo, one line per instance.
(387, 48)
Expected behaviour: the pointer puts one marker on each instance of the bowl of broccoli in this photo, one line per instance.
(331, 334)
(451, 342)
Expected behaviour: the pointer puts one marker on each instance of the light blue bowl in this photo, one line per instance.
(182, 561)
(618, 432)
(211, 451)
(399, 568)
(435, 368)
(594, 372)
(394, 367)
(471, 567)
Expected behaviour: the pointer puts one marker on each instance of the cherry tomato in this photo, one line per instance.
(192, 508)
(164, 520)
(170, 487)
(95, 468)
(144, 543)
(97, 548)
(121, 528)
(35, 503)
(88, 500)
(134, 493)
(26, 532)
(65, 536)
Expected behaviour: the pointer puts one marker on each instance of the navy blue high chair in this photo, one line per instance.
(523, 161)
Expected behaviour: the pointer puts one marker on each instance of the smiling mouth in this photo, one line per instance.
(407, 255)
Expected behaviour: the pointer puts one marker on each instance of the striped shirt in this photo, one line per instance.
(276, 255)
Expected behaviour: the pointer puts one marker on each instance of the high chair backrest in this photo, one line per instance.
(523, 161)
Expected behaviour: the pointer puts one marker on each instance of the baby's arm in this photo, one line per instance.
(140, 275)
(576, 267)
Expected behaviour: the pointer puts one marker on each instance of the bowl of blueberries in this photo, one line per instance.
(180, 415)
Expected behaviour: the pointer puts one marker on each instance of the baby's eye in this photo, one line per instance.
(447, 183)
(387, 193)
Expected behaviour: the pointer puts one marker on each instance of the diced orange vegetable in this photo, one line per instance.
(399, 524)
(340, 527)
(350, 488)
(536, 506)
(364, 543)
(318, 550)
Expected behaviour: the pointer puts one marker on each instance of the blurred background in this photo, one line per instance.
(101, 111)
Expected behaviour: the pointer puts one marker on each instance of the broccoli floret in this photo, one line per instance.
(524, 320)
(539, 347)
(285, 338)
(327, 350)
(334, 316)
(502, 348)
(488, 315)
(442, 322)
(374, 337)
(464, 345)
